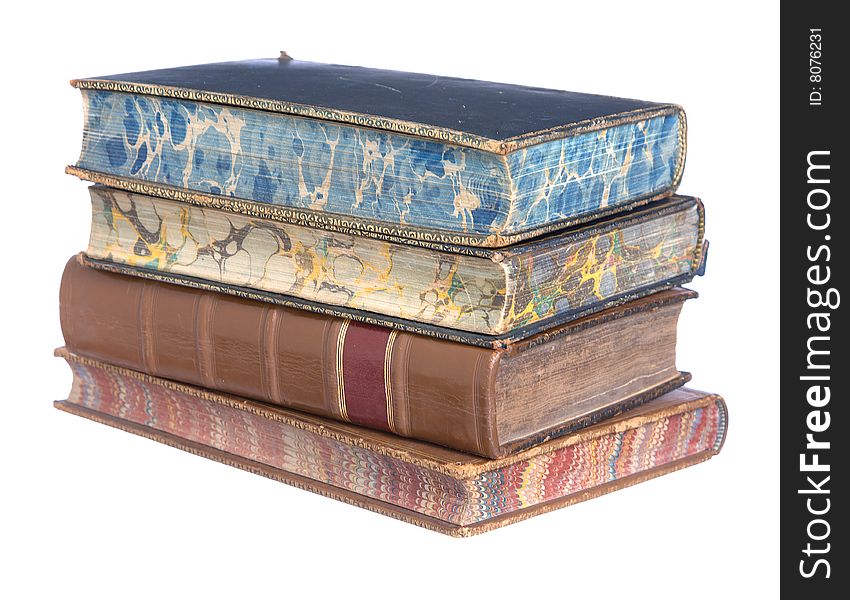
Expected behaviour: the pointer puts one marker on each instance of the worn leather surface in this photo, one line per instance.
(494, 110)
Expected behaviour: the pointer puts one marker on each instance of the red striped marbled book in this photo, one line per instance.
(428, 485)
(480, 400)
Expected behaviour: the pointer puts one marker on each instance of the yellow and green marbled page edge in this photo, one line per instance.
(406, 282)
(608, 261)
(474, 294)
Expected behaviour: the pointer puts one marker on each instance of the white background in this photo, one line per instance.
(88, 511)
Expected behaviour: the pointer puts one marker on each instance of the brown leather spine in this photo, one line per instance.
(423, 388)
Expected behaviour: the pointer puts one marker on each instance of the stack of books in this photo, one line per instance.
(449, 301)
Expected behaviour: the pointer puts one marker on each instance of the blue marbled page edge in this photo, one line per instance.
(334, 169)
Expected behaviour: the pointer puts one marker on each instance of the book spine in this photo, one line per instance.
(410, 385)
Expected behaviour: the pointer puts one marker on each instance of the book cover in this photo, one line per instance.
(421, 157)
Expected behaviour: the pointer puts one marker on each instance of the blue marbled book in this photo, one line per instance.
(427, 159)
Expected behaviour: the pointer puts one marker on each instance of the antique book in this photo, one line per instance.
(385, 153)
(479, 400)
(508, 293)
(428, 485)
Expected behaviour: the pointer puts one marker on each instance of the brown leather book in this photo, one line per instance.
(479, 400)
